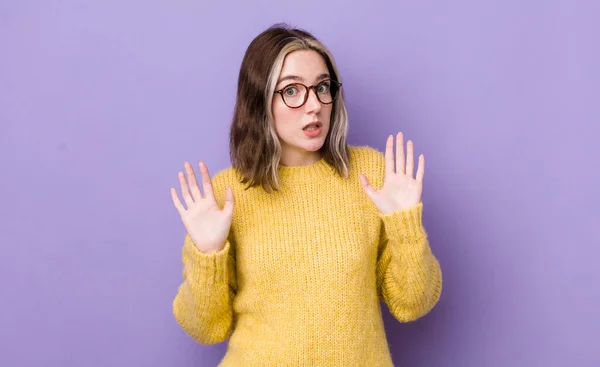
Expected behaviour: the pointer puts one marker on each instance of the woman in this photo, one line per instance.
(294, 275)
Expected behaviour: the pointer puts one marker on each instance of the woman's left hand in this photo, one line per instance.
(400, 189)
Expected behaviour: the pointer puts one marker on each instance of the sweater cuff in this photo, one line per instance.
(205, 268)
(405, 226)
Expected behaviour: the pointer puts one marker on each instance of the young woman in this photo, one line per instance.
(320, 233)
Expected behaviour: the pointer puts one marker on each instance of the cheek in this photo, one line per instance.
(278, 112)
(326, 113)
(284, 116)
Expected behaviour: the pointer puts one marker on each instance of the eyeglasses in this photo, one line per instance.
(295, 95)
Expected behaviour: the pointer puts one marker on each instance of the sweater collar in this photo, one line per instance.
(318, 170)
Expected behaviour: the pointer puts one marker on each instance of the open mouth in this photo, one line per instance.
(312, 126)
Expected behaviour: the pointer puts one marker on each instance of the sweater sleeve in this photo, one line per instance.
(203, 305)
(409, 277)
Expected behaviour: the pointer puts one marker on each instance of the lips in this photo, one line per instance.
(317, 124)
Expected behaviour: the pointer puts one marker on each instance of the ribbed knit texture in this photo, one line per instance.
(302, 272)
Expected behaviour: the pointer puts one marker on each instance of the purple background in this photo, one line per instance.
(102, 102)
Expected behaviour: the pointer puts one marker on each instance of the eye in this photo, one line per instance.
(323, 87)
(291, 91)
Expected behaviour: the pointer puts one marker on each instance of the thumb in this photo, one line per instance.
(366, 185)
(228, 207)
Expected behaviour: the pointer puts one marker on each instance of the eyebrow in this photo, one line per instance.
(298, 78)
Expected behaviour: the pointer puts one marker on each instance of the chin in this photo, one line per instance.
(314, 144)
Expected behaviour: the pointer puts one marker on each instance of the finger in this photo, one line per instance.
(421, 168)
(185, 192)
(206, 182)
(366, 185)
(410, 160)
(180, 208)
(194, 189)
(389, 156)
(400, 167)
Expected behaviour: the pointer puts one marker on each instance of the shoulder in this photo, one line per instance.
(365, 154)
(224, 178)
(367, 158)
(369, 161)
(224, 175)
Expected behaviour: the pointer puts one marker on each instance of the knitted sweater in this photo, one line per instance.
(299, 280)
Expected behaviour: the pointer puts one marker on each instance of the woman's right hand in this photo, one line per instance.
(205, 222)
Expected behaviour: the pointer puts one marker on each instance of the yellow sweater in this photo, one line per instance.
(299, 280)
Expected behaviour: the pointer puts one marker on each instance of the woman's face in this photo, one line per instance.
(300, 146)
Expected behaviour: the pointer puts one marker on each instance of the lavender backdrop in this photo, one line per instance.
(101, 103)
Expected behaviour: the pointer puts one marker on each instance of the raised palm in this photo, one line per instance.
(206, 223)
(401, 188)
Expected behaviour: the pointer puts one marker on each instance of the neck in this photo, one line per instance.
(297, 158)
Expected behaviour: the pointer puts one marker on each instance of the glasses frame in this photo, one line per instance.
(308, 89)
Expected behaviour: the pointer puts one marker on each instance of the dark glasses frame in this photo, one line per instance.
(308, 88)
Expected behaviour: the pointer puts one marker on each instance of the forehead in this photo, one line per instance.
(308, 65)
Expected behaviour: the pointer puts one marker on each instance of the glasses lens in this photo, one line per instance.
(293, 95)
(326, 91)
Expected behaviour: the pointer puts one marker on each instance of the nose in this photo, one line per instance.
(312, 103)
